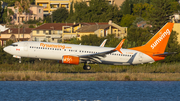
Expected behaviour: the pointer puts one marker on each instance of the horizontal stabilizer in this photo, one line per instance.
(164, 54)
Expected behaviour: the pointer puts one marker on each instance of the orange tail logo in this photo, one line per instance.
(158, 43)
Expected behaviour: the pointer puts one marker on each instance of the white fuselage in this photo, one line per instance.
(56, 51)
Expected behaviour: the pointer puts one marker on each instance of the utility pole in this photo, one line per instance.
(51, 18)
(18, 32)
(23, 33)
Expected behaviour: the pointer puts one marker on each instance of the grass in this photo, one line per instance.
(42, 71)
(64, 68)
(43, 76)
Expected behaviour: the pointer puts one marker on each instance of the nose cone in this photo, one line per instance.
(7, 49)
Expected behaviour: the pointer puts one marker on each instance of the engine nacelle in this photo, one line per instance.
(67, 59)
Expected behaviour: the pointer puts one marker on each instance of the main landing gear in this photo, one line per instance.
(86, 67)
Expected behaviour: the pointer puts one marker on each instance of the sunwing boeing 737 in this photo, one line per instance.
(152, 51)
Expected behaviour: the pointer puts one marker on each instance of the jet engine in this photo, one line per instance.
(67, 59)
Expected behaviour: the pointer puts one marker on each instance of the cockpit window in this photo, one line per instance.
(14, 45)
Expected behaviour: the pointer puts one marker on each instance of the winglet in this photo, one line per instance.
(118, 47)
(103, 43)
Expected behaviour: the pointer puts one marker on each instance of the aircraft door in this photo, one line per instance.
(25, 46)
(140, 57)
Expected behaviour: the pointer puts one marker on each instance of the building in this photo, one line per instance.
(16, 34)
(50, 5)
(143, 24)
(99, 29)
(35, 13)
(57, 32)
(175, 17)
(177, 29)
(118, 2)
(50, 32)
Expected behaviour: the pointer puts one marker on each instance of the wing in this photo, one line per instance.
(103, 43)
(97, 57)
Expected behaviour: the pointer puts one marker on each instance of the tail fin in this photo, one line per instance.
(158, 42)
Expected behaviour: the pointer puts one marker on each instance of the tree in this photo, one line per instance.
(126, 7)
(142, 10)
(79, 13)
(138, 19)
(162, 10)
(138, 36)
(91, 39)
(1, 12)
(173, 46)
(32, 2)
(47, 19)
(71, 9)
(127, 20)
(10, 2)
(6, 58)
(60, 15)
(175, 6)
(23, 6)
(159, 15)
(139, 1)
(97, 11)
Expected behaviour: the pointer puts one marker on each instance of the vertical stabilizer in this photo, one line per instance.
(157, 44)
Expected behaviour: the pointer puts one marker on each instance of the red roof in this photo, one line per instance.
(15, 31)
(53, 26)
(102, 23)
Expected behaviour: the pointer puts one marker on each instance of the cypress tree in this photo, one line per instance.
(125, 8)
(160, 14)
(0, 13)
(71, 9)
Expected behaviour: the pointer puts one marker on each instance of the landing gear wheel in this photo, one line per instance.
(86, 67)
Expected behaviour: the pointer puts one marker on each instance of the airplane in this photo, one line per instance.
(152, 51)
